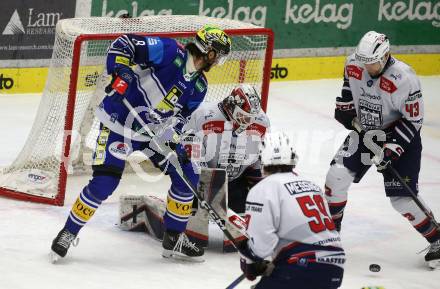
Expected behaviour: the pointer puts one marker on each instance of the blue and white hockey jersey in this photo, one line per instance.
(162, 87)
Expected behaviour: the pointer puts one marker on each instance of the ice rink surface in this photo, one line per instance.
(109, 258)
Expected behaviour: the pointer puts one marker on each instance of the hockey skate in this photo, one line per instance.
(178, 246)
(433, 255)
(61, 244)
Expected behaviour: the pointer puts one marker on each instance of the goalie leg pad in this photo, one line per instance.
(409, 209)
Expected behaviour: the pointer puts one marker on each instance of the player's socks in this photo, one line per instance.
(177, 245)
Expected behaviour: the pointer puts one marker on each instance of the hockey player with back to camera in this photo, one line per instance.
(289, 221)
(164, 82)
(384, 94)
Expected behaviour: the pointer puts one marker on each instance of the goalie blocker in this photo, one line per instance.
(142, 213)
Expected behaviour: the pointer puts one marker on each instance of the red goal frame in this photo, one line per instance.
(59, 199)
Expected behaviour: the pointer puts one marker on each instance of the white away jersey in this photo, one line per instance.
(383, 100)
(284, 209)
(215, 145)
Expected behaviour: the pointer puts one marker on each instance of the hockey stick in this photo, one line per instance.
(236, 281)
(396, 175)
(237, 222)
(166, 152)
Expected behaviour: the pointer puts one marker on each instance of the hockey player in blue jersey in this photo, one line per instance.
(164, 82)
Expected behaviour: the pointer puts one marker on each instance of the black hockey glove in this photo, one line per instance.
(391, 152)
(345, 117)
(122, 77)
(250, 264)
(253, 269)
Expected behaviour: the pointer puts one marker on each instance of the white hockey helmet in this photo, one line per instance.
(372, 48)
(242, 106)
(277, 149)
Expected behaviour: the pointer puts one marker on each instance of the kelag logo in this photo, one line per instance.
(6, 82)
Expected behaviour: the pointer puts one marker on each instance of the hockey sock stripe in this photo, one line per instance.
(76, 220)
(87, 198)
(178, 208)
(337, 209)
(407, 128)
(404, 136)
(422, 224)
(176, 218)
(180, 198)
(82, 211)
(427, 229)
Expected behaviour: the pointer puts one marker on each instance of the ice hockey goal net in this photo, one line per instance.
(63, 130)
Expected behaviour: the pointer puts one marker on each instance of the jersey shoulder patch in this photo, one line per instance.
(260, 126)
(354, 71)
(162, 51)
(201, 83)
(387, 85)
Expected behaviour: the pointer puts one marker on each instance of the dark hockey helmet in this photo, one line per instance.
(242, 106)
(213, 38)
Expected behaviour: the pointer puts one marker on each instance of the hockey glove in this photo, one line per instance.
(122, 77)
(253, 269)
(345, 117)
(391, 152)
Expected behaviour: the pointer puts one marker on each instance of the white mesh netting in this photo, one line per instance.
(36, 170)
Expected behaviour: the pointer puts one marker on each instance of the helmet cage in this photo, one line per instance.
(243, 105)
(242, 118)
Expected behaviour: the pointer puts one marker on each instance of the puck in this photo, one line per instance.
(374, 268)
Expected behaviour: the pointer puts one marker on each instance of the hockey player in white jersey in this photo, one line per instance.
(381, 93)
(227, 135)
(288, 219)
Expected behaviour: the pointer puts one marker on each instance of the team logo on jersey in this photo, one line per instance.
(370, 114)
(370, 83)
(167, 104)
(387, 85)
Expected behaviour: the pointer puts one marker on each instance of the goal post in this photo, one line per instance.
(65, 128)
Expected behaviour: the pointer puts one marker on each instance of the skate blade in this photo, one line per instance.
(169, 254)
(434, 264)
(54, 257)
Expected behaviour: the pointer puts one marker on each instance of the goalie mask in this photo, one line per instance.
(213, 38)
(242, 106)
(277, 149)
(373, 48)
